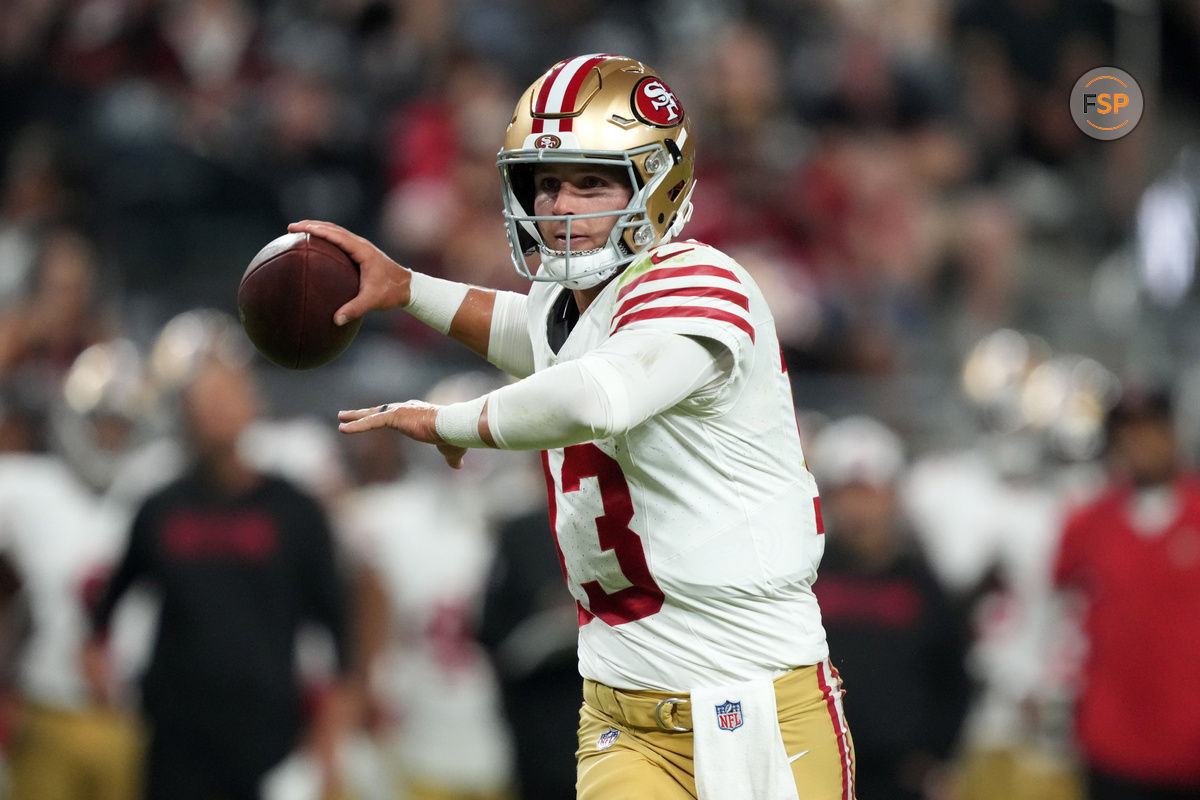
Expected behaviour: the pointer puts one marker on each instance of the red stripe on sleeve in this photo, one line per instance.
(679, 272)
(817, 510)
(717, 293)
(675, 312)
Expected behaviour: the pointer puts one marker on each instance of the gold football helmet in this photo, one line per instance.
(607, 110)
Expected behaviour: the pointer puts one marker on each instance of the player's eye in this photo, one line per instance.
(592, 182)
(548, 184)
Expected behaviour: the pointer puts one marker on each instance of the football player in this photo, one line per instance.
(63, 517)
(424, 542)
(650, 376)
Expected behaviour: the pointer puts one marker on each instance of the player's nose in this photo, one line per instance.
(566, 200)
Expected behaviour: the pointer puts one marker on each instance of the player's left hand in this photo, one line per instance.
(415, 419)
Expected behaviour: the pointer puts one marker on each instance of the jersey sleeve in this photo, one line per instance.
(692, 290)
(509, 347)
(325, 600)
(134, 565)
(607, 392)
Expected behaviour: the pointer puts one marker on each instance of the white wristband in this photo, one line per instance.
(435, 301)
(458, 423)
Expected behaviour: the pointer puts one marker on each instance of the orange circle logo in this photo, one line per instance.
(1106, 103)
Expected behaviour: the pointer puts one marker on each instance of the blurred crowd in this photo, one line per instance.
(966, 287)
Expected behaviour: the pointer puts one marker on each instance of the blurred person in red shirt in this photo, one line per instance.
(1134, 552)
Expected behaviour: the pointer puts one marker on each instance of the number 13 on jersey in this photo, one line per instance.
(642, 597)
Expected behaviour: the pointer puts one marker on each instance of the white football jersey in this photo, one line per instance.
(63, 539)
(429, 542)
(690, 543)
(971, 520)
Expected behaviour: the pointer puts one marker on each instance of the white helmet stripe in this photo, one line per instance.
(560, 91)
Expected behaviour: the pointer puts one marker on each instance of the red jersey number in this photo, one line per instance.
(642, 597)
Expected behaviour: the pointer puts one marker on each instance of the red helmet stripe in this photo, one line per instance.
(539, 105)
(560, 89)
(572, 91)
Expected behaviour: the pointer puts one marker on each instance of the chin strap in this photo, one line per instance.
(581, 270)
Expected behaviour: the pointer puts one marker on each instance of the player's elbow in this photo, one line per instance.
(604, 409)
(600, 418)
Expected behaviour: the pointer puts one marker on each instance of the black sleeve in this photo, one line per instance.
(325, 599)
(526, 584)
(523, 564)
(133, 566)
(945, 644)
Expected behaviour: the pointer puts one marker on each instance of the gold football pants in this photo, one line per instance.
(67, 755)
(629, 750)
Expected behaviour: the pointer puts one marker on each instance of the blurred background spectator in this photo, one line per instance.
(902, 177)
(895, 634)
(529, 625)
(240, 562)
(1134, 556)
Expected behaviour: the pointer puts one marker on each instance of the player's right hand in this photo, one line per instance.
(97, 671)
(382, 283)
(415, 419)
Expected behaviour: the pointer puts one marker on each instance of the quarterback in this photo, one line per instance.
(650, 377)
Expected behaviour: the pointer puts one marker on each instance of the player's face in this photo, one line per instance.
(570, 189)
(220, 404)
(1146, 449)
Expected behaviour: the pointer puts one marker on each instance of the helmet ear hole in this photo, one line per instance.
(673, 149)
(521, 178)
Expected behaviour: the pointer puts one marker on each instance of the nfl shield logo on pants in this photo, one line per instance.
(607, 739)
(729, 716)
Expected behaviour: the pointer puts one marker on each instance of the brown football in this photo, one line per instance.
(287, 298)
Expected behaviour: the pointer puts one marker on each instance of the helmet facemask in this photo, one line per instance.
(631, 232)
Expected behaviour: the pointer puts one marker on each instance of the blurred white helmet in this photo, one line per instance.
(856, 450)
(994, 375)
(1037, 404)
(1067, 398)
(107, 408)
(190, 338)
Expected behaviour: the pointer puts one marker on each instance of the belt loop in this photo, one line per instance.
(610, 702)
(669, 703)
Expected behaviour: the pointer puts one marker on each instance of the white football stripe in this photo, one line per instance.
(558, 89)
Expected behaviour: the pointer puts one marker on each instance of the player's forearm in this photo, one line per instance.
(489, 323)
(605, 393)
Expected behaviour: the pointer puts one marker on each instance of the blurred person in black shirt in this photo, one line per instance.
(240, 561)
(529, 625)
(894, 627)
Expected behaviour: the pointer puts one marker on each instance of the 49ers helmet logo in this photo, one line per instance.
(655, 104)
(548, 142)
